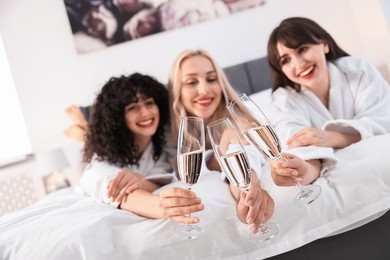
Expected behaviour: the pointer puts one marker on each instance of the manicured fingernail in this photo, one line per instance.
(195, 220)
(253, 229)
(250, 202)
(200, 206)
(294, 173)
(249, 220)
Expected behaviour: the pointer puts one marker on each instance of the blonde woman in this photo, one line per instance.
(198, 87)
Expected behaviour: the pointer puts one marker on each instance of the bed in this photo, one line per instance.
(350, 220)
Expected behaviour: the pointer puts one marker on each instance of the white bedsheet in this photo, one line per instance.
(66, 225)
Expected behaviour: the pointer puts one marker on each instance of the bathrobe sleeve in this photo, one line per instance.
(370, 99)
(291, 112)
(97, 175)
(95, 179)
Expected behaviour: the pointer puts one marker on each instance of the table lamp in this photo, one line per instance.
(50, 165)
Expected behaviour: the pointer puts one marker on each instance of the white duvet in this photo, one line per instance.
(66, 225)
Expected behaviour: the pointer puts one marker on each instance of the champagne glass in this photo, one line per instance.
(233, 160)
(190, 149)
(260, 133)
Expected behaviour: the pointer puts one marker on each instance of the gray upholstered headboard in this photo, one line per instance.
(248, 77)
(251, 76)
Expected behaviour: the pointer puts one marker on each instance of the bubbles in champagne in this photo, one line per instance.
(237, 169)
(265, 140)
(190, 165)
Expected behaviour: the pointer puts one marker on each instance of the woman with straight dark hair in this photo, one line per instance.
(323, 99)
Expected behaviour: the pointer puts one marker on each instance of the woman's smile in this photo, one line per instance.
(146, 123)
(307, 73)
(205, 101)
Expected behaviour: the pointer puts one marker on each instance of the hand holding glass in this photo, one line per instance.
(233, 160)
(190, 149)
(258, 130)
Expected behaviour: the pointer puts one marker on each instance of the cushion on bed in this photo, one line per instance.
(263, 100)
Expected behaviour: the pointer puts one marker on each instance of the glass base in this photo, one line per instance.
(307, 195)
(188, 231)
(266, 232)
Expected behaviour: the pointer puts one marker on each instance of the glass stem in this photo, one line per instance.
(301, 190)
(284, 158)
(189, 226)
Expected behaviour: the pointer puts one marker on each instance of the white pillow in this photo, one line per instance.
(263, 100)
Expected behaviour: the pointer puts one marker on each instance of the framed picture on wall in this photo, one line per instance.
(98, 24)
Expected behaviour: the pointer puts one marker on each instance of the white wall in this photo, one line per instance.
(49, 75)
(386, 10)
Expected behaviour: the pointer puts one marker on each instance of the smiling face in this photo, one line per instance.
(200, 91)
(305, 65)
(142, 118)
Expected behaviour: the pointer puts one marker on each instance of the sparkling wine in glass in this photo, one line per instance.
(258, 130)
(190, 149)
(233, 160)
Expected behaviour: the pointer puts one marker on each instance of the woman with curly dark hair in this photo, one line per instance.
(128, 154)
(125, 140)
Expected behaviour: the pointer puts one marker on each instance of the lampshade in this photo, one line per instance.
(51, 161)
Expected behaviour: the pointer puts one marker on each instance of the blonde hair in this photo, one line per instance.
(177, 109)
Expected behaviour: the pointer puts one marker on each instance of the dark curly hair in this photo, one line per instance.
(108, 137)
(294, 32)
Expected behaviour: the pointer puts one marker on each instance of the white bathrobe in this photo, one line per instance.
(97, 175)
(359, 102)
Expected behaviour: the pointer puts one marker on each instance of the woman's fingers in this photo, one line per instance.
(120, 187)
(269, 211)
(264, 207)
(177, 202)
(284, 172)
(251, 195)
(253, 213)
(114, 183)
(254, 208)
(182, 210)
(129, 188)
(242, 209)
(286, 181)
(177, 192)
(265, 212)
(185, 219)
(287, 171)
(257, 214)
